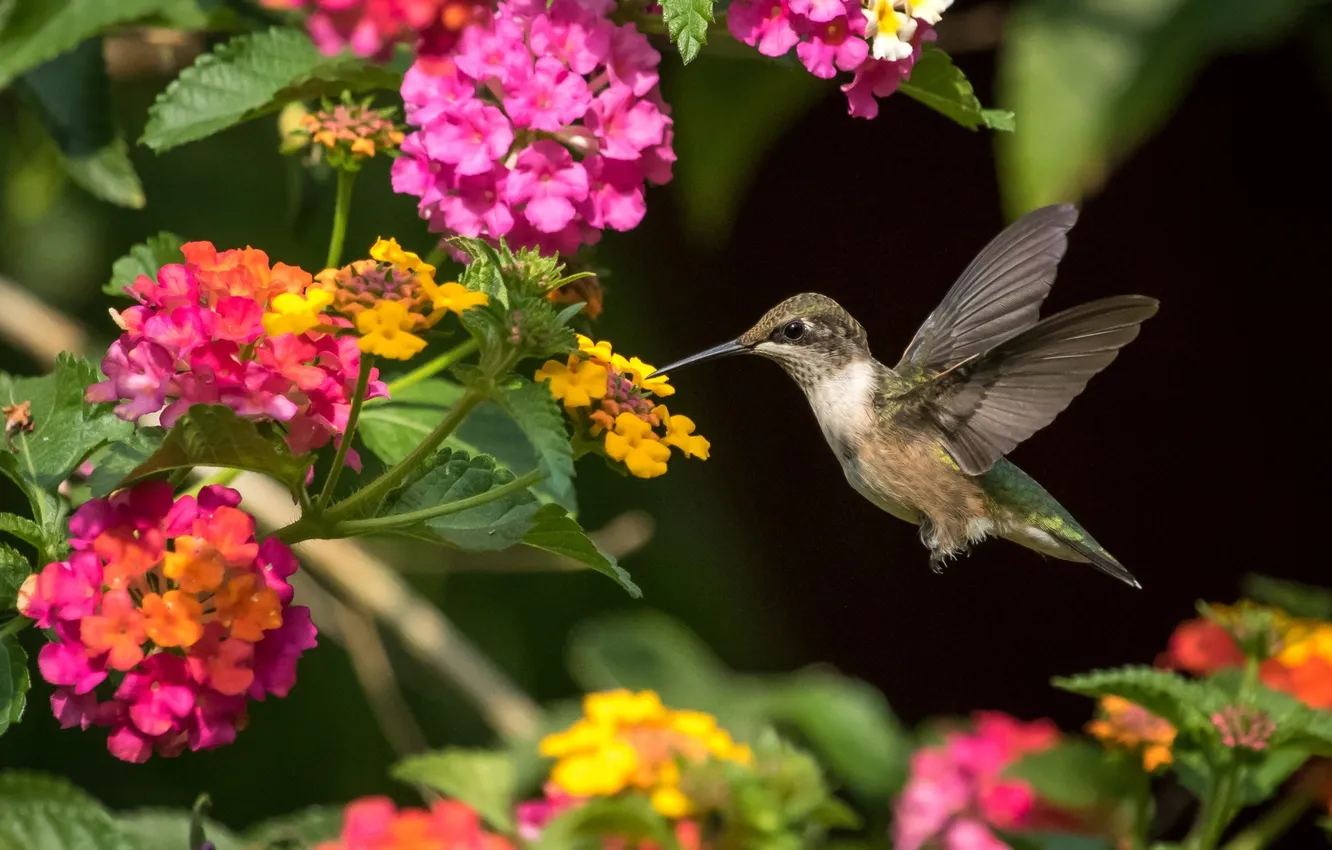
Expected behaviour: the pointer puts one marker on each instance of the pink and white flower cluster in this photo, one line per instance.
(879, 42)
(198, 337)
(543, 129)
(177, 605)
(957, 790)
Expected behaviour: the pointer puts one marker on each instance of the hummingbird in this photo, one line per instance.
(926, 439)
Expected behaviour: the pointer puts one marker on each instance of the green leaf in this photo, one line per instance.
(553, 530)
(109, 175)
(144, 259)
(1076, 774)
(1294, 597)
(455, 477)
(40, 31)
(21, 527)
(213, 435)
(538, 415)
(647, 650)
(14, 568)
(305, 828)
(253, 75)
(65, 429)
(1092, 80)
(629, 817)
(14, 682)
(1056, 841)
(1186, 703)
(687, 22)
(482, 779)
(392, 428)
(939, 84)
(846, 721)
(39, 812)
(169, 829)
(1298, 726)
(115, 462)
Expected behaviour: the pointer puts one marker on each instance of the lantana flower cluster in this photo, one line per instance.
(175, 603)
(613, 401)
(372, 28)
(1127, 725)
(392, 298)
(225, 328)
(630, 741)
(543, 129)
(344, 133)
(957, 790)
(879, 42)
(375, 823)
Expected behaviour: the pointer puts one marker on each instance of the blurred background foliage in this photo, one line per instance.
(1187, 125)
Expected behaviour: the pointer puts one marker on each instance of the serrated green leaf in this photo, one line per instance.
(144, 259)
(646, 650)
(65, 429)
(629, 817)
(491, 526)
(687, 23)
(553, 530)
(1294, 597)
(14, 568)
(39, 812)
(169, 829)
(253, 75)
(114, 463)
(41, 30)
(14, 682)
(392, 428)
(939, 84)
(21, 527)
(1076, 774)
(483, 779)
(303, 829)
(1185, 703)
(213, 435)
(109, 175)
(1297, 725)
(538, 415)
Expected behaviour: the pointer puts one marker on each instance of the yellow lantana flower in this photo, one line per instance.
(389, 251)
(575, 383)
(296, 314)
(452, 295)
(633, 442)
(386, 331)
(630, 741)
(1129, 725)
(640, 372)
(680, 434)
(600, 350)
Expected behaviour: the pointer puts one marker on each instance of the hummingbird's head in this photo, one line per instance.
(809, 335)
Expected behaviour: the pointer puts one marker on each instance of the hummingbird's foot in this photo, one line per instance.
(937, 562)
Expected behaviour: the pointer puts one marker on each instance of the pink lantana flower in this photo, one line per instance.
(765, 25)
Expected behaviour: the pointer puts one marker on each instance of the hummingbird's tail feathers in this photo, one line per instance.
(985, 408)
(1101, 560)
(998, 296)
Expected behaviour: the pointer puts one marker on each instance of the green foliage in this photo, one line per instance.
(45, 813)
(1057, 841)
(1295, 598)
(15, 681)
(1079, 775)
(303, 829)
(65, 429)
(687, 23)
(114, 463)
(1185, 703)
(455, 478)
(169, 829)
(939, 84)
(482, 779)
(253, 75)
(1297, 725)
(37, 32)
(213, 435)
(629, 817)
(553, 530)
(14, 568)
(1093, 80)
(22, 528)
(538, 415)
(144, 259)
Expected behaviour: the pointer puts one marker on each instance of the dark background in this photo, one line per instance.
(1195, 458)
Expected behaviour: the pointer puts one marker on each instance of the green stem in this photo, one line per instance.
(436, 256)
(1273, 824)
(348, 433)
(433, 367)
(14, 626)
(353, 527)
(381, 486)
(340, 212)
(1216, 812)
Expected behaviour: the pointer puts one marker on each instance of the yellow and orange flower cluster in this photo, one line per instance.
(1126, 724)
(614, 400)
(630, 741)
(347, 132)
(392, 298)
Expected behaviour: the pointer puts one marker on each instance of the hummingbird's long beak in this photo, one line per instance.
(724, 350)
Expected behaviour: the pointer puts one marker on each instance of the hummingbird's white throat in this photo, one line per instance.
(843, 402)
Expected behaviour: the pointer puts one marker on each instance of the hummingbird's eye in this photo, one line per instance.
(794, 330)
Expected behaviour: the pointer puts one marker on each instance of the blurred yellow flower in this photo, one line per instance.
(630, 741)
(633, 442)
(386, 331)
(1129, 725)
(452, 296)
(575, 383)
(389, 251)
(680, 434)
(600, 350)
(295, 314)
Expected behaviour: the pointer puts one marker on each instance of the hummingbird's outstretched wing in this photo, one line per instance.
(984, 407)
(998, 296)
